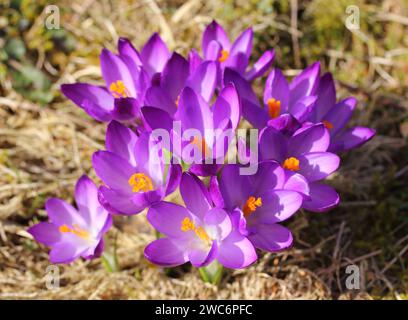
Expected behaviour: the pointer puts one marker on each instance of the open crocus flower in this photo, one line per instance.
(197, 233)
(259, 202)
(73, 233)
(133, 171)
(205, 132)
(280, 97)
(305, 153)
(177, 74)
(217, 47)
(127, 76)
(335, 117)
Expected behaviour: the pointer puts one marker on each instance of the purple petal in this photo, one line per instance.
(200, 258)
(261, 65)
(205, 170)
(194, 60)
(61, 212)
(194, 112)
(305, 83)
(340, 114)
(227, 106)
(272, 145)
(270, 175)
(126, 49)
(271, 237)
(46, 233)
(158, 97)
(126, 109)
(238, 62)
(315, 138)
(213, 51)
(217, 223)
(318, 165)
(236, 252)
(165, 252)
(113, 170)
(214, 32)
(97, 101)
(242, 86)
(65, 252)
(243, 44)
(157, 118)
(296, 182)
(174, 75)
(277, 87)
(235, 188)
(121, 140)
(173, 178)
(120, 203)
(302, 108)
(351, 138)
(154, 54)
(195, 195)
(204, 80)
(115, 69)
(322, 198)
(215, 192)
(326, 94)
(166, 218)
(254, 114)
(277, 206)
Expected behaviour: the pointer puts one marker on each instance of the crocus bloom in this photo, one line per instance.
(217, 47)
(133, 171)
(335, 117)
(211, 125)
(259, 202)
(305, 153)
(280, 97)
(178, 73)
(127, 77)
(197, 233)
(73, 233)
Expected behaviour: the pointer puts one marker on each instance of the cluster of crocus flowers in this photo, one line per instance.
(227, 216)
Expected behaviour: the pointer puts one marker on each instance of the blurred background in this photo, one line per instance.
(46, 143)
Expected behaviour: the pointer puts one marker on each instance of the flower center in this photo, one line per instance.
(76, 230)
(188, 225)
(118, 89)
(273, 107)
(224, 55)
(140, 182)
(327, 124)
(251, 205)
(177, 101)
(202, 145)
(291, 163)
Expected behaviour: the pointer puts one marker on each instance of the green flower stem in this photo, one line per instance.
(211, 273)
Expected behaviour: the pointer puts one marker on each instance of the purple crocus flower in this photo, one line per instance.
(178, 73)
(73, 233)
(305, 153)
(259, 202)
(335, 116)
(197, 233)
(133, 171)
(127, 76)
(280, 98)
(212, 125)
(217, 47)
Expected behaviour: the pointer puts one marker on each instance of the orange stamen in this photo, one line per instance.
(224, 55)
(327, 124)
(274, 107)
(140, 182)
(76, 230)
(291, 163)
(118, 89)
(251, 205)
(188, 225)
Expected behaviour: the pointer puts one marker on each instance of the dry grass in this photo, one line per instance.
(44, 149)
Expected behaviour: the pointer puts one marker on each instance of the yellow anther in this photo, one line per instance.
(118, 89)
(291, 163)
(177, 100)
(274, 107)
(140, 182)
(205, 151)
(327, 124)
(224, 55)
(251, 205)
(188, 225)
(76, 230)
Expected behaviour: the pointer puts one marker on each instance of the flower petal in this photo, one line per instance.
(272, 145)
(277, 87)
(217, 223)
(45, 233)
(195, 195)
(271, 237)
(261, 65)
(121, 140)
(315, 138)
(351, 138)
(214, 32)
(318, 165)
(243, 44)
(154, 54)
(227, 106)
(305, 83)
(236, 252)
(165, 252)
(174, 75)
(322, 198)
(204, 80)
(61, 212)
